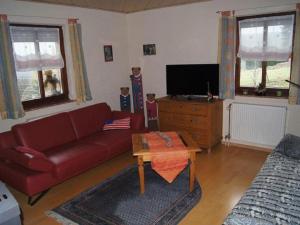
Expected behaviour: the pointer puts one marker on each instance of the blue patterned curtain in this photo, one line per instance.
(10, 103)
(82, 88)
(226, 55)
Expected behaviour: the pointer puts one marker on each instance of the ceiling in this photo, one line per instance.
(125, 6)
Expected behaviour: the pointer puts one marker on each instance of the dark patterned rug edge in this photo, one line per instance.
(171, 216)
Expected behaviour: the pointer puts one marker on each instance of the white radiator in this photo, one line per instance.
(257, 124)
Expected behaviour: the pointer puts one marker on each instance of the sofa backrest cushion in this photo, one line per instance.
(90, 119)
(45, 133)
(7, 140)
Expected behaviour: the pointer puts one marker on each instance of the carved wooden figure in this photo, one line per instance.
(152, 115)
(137, 89)
(125, 104)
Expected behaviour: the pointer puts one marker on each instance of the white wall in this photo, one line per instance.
(182, 34)
(189, 34)
(98, 28)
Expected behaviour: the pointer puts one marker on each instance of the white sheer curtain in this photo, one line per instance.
(36, 48)
(266, 39)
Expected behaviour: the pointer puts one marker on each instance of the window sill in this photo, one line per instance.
(262, 96)
(64, 101)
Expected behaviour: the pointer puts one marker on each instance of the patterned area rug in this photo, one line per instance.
(118, 201)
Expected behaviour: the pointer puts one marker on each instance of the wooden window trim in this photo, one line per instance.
(51, 100)
(272, 92)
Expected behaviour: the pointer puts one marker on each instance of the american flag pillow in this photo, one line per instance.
(117, 124)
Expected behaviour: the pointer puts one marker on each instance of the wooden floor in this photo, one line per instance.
(224, 176)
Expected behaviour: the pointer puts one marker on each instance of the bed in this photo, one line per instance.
(274, 196)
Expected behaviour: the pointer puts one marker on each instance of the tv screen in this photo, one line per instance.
(192, 79)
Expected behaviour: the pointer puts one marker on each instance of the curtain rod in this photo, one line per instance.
(48, 17)
(270, 6)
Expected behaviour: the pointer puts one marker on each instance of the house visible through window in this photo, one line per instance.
(40, 64)
(264, 54)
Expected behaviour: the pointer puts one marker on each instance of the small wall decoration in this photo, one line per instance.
(108, 53)
(149, 49)
(125, 100)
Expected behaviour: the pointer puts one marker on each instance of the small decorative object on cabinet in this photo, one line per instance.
(260, 90)
(201, 119)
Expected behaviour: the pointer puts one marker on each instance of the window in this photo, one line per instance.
(264, 54)
(39, 59)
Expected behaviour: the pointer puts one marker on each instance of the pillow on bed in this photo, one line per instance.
(28, 158)
(289, 146)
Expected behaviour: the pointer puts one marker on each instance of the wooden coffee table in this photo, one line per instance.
(144, 155)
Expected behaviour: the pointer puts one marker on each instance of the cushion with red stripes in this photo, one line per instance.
(117, 124)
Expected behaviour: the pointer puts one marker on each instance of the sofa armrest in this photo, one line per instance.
(28, 158)
(137, 119)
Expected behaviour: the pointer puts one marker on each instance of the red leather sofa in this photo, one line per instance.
(61, 146)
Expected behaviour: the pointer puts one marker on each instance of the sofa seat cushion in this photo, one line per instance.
(27, 181)
(74, 158)
(117, 141)
(45, 133)
(90, 119)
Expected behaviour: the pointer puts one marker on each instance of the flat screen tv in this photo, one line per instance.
(192, 79)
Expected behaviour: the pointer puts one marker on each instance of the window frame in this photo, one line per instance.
(51, 100)
(272, 92)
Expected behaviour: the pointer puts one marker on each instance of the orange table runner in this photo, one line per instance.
(169, 156)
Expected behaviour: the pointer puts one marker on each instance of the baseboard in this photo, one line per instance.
(254, 147)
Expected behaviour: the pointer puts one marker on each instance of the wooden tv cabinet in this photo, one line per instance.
(203, 120)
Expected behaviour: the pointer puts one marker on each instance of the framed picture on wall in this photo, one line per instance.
(108, 53)
(149, 49)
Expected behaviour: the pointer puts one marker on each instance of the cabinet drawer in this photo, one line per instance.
(189, 121)
(166, 121)
(165, 117)
(201, 137)
(182, 107)
(196, 109)
(167, 106)
(168, 127)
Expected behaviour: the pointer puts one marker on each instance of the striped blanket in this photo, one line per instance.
(274, 196)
